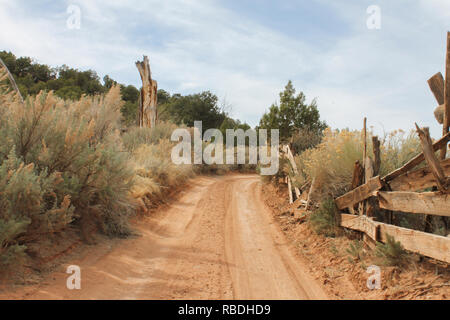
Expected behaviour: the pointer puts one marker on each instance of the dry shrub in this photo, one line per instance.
(154, 161)
(325, 219)
(398, 147)
(61, 163)
(304, 139)
(331, 162)
(135, 137)
(155, 173)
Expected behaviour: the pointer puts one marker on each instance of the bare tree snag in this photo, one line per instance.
(431, 159)
(446, 123)
(148, 100)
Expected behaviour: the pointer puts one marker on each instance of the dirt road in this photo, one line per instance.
(217, 241)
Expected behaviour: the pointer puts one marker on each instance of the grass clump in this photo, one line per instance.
(356, 251)
(391, 253)
(325, 220)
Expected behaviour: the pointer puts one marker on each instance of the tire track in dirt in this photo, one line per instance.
(217, 241)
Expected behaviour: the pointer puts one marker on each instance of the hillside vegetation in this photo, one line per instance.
(71, 84)
(73, 161)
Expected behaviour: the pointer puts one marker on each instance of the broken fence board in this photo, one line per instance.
(360, 223)
(434, 203)
(294, 205)
(419, 179)
(290, 191)
(359, 194)
(291, 160)
(436, 83)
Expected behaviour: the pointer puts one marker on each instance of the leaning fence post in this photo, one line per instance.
(431, 159)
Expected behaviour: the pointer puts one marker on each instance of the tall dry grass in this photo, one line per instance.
(332, 161)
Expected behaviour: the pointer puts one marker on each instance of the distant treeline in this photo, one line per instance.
(70, 84)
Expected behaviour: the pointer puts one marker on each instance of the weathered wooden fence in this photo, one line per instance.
(400, 190)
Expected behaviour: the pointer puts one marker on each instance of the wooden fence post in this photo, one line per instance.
(365, 146)
(362, 205)
(377, 155)
(436, 83)
(290, 190)
(431, 159)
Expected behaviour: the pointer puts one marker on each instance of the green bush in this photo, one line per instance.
(29, 207)
(391, 253)
(355, 250)
(304, 139)
(325, 220)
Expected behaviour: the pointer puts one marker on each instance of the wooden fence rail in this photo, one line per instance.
(402, 190)
(427, 244)
(434, 203)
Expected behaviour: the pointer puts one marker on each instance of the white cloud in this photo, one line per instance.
(199, 45)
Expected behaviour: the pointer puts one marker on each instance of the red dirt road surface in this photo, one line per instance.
(218, 240)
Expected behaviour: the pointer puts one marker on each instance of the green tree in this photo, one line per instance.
(292, 114)
(130, 94)
(108, 82)
(230, 123)
(163, 96)
(196, 107)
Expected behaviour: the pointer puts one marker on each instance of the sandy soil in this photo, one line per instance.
(344, 277)
(218, 240)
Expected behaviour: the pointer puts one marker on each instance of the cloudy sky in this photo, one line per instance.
(245, 51)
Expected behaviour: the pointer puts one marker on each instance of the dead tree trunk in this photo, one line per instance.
(148, 100)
